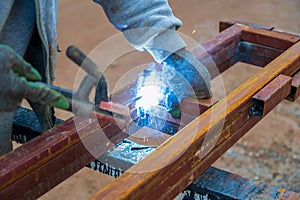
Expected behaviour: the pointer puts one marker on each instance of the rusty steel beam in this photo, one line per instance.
(272, 39)
(268, 97)
(295, 90)
(175, 170)
(261, 44)
(257, 54)
(226, 23)
(149, 137)
(189, 105)
(222, 52)
(263, 35)
(45, 161)
(259, 50)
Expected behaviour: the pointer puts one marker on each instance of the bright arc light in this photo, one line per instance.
(150, 96)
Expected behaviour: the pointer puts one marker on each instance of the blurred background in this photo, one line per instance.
(270, 152)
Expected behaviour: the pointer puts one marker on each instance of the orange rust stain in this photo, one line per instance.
(39, 163)
(227, 134)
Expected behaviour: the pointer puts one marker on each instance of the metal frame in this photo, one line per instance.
(36, 167)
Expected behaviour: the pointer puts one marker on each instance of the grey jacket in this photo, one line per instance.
(147, 25)
(45, 45)
(46, 11)
(36, 42)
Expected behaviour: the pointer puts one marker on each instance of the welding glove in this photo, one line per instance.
(192, 71)
(14, 84)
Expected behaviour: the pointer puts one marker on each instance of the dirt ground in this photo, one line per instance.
(270, 152)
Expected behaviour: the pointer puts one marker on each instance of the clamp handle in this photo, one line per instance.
(95, 78)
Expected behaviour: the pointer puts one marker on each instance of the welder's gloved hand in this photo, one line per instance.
(14, 84)
(192, 70)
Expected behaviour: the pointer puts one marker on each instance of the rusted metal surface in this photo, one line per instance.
(259, 50)
(263, 35)
(196, 107)
(175, 170)
(32, 154)
(212, 184)
(221, 52)
(58, 153)
(47, 176)
(261, 44)
(295, 90)
(224, 24)
(149, 137)
(269, 96)
(257, 54)
(269, 38)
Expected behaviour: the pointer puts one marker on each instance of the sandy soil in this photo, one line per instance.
(269, 152)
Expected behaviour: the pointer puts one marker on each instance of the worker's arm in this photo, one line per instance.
(151, 26)
(147, 25)
(14, 84)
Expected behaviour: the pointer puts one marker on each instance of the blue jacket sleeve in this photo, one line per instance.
(147, 25)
